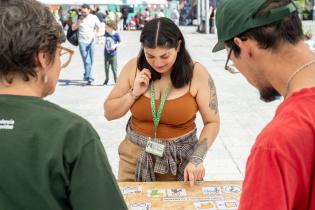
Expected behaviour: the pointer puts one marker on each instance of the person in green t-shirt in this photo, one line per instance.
(50, 158)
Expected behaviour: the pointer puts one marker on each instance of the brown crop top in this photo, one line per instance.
(178, 116)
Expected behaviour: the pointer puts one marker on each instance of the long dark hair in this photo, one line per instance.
(164, 33)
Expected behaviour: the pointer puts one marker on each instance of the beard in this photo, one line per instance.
(269, 94)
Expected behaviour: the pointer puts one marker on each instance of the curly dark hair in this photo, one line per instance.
(27, 27)
(163, 32)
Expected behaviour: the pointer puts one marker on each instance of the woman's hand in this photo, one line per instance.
(193, 173)
(142, 82)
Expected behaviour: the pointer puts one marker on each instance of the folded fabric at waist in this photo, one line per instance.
(179, 149)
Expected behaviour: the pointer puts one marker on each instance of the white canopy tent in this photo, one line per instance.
(117, 2)
(79, 2)
(145, 2)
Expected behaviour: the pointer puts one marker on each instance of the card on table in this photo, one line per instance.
(140, 206)
(156, 193)
(227, 204)
(131, 190)
(176, 192)
(213, 190)
(208, 205)
(232, 189)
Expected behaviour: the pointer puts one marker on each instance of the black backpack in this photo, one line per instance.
(73, 36)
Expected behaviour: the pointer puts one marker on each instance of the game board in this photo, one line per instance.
(205, 195)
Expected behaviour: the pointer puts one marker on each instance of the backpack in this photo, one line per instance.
(73, 36)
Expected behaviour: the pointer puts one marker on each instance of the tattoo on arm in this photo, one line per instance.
(213, 104)
(200, 151)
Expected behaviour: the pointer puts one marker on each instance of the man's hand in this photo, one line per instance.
(193, 173)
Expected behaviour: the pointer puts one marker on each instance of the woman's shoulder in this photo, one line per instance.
(132, 61)
(130, 66)
(199, 70)
(200, 73)
(129, 70)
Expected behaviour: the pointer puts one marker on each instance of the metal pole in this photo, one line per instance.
(202, 16)
(207, 15)
(198, 15)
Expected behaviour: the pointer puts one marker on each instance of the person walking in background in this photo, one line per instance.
(100, 15)
(50, 157)
(175, 16)
(111, 15)
(161, 13)
(112, 41)
(264, 39)
(146, 15)
(162, 145)
(118, 20)
(139, 15)
(106, 16)
(73, 17)
(88, 24)
(134, 23)
(124, 15)
(211, 19)
(101, 31)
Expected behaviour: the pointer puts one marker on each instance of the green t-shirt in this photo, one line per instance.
(52, 159)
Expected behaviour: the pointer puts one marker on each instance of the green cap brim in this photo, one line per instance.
(218, 46)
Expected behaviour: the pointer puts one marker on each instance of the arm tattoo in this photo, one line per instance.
(213, 104)
(200, 151)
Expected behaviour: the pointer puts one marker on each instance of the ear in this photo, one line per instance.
(42, 59)
(178, 45)
(244, 45)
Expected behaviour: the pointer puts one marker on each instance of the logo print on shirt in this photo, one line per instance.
(7, 124)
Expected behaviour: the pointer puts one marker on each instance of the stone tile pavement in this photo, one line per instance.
(243, 115)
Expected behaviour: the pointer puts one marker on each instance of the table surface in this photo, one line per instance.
(221, 195)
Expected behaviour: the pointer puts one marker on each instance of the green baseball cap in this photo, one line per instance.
(234, 17)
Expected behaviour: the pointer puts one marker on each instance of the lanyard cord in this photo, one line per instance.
(156, 116)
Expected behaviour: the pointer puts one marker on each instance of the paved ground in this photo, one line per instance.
(243, 115)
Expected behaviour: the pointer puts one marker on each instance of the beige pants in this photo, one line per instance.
(129, 153)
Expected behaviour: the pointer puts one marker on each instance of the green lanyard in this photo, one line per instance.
(156, 116)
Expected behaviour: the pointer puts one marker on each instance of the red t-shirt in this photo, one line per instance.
(280, 171)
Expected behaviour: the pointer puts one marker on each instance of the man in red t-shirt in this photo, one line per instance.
(264, 39)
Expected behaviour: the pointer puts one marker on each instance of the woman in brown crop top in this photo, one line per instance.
(163, 88)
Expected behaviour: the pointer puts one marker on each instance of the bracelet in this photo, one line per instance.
(132, 95)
